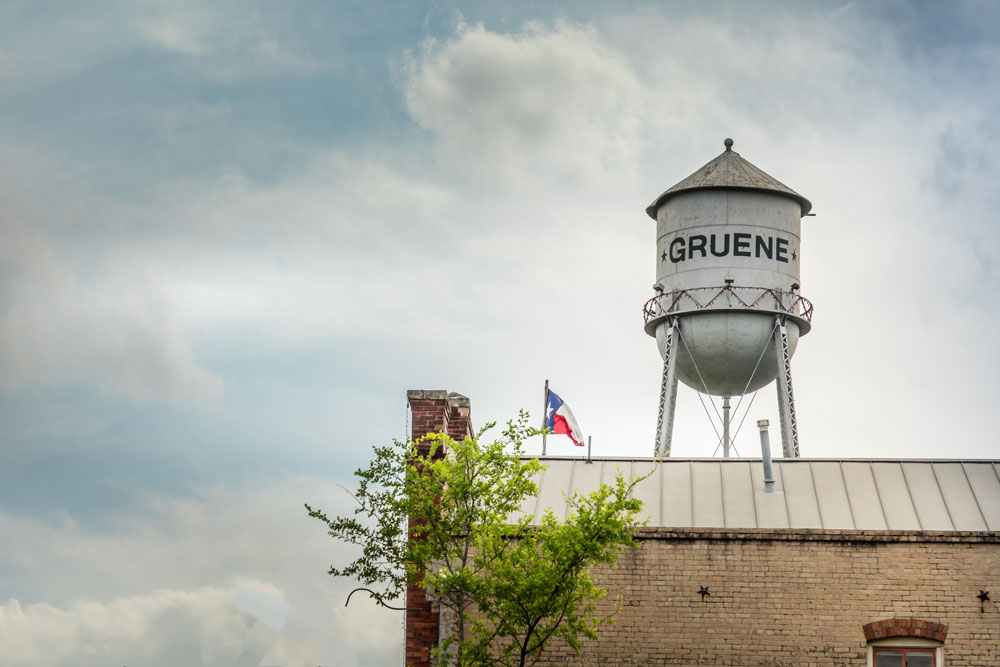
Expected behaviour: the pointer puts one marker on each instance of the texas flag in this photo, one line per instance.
(559, 419)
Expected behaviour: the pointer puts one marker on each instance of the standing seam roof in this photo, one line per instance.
(822, 494)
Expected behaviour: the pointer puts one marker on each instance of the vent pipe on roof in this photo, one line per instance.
(765, 455)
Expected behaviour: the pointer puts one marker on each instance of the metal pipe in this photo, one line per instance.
(765, 455)
(725, 427)
(545, 414)
(446, 629)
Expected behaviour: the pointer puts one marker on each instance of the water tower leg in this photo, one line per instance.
(668, 394)
(725, 427)
(786, 399)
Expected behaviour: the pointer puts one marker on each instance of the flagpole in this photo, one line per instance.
(545, 414)
(589, 460)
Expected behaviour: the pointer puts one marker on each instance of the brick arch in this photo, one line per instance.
(905, 627)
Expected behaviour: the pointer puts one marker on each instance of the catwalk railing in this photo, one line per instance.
(727, 297)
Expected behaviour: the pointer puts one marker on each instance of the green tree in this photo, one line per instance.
(449, 524)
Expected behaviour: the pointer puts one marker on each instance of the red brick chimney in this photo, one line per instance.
(431, 411)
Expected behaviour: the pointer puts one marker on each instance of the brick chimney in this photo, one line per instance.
(431, 411)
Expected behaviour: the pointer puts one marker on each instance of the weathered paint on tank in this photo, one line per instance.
(726, 346)
(704, 237)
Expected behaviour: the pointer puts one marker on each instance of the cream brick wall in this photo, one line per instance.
(784, 598)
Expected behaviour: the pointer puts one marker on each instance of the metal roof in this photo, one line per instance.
(730, 171)
(822, 494)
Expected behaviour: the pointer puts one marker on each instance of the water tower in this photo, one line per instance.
(727, 315)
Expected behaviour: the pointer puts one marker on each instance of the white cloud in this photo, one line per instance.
(528, 222)
(115, 332)
(554, 104)
(228, 41)
(174, 34)
(167, 627)
(517, 251)
(234, 575)
(430, 259)
(826, 107)
(269, 608)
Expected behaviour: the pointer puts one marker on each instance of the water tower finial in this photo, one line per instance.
(728, 144)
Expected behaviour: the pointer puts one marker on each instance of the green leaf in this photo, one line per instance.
(444, 522)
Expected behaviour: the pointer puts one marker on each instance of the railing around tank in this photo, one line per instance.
(728, 297)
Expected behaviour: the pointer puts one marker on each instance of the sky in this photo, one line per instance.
(235, 233)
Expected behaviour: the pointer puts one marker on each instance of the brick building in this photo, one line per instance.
(848, 561)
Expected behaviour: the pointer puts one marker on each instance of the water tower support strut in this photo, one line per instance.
(668, 393)
(725, 427)
(786, 398)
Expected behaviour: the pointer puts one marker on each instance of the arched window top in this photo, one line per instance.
(905, 642)
(905, 627)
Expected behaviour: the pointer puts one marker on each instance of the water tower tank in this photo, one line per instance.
(727, 276)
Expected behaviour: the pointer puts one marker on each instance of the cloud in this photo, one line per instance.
(231, 575)
(175, 33)
(526, 221)
(553, 103)
(224, 41)
(167, 627)
(226, 38)
(515, 249)
(269, 608)
(115, 332)
(527, 218)
(830, 105)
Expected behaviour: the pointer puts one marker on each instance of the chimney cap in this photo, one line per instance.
(426, 394)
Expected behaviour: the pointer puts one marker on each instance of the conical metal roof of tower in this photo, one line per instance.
(729, 171)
